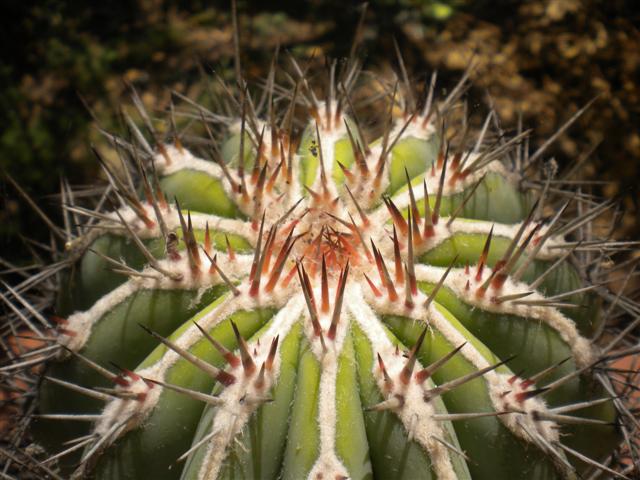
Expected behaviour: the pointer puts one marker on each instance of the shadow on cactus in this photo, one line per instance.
(329, 307)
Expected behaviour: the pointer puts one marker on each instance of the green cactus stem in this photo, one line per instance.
(328, 308)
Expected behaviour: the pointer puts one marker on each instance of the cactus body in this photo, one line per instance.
(397, 310)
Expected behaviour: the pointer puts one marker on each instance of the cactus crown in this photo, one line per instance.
(327, 307)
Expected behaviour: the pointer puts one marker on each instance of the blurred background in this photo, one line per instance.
(542, 59)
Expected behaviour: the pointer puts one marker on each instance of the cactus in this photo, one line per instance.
(328, 307)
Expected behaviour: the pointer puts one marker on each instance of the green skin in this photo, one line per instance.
(281, 440)
(482, 438)
(535, 347)
(391, 454)
(496, 199)
(92, 277)
(414, 155)
(466, 248)
(200, 193)
(265, 435)
(310, 157)
(116, 337)
(150, 451)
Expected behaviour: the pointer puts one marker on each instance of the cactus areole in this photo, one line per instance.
(325, 307)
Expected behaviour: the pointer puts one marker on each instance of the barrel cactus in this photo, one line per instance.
(326, 307)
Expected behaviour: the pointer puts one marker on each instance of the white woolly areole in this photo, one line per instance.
(580, 346)
(81, 323)
(272, 203)
(231, 418)
(137, 410)
(549, 250)
(133, 410)
(402, 199)
(416, 128)
(503, 383)
(222, 312)
(172, 221)
(495, 381)
(328, 461)
(416, 413)
(183, 159)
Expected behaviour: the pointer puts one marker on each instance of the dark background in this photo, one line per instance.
(544, 58)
